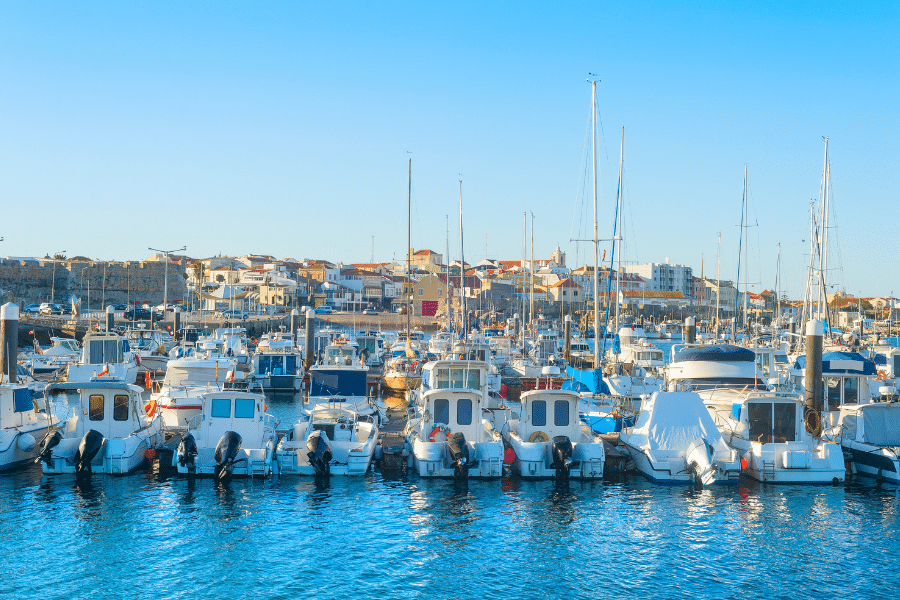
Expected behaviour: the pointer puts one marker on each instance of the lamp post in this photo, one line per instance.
(53, 285)
(166, 275)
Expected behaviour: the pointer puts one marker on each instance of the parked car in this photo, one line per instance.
(50, 309)
(33, 309)
(232, 315)
(324, 309)
(120, 307)
(134, 313)
(370, 311)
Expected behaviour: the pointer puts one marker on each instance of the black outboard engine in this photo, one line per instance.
(226, 453)
(562, 456)
(50, 441)
(187, 452)
(319, 453)
(459, 452)
(88, 448)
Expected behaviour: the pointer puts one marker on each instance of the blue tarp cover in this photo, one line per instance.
(337, 382)
(716, 353)
(22, 400)
(841, 362)
(589, 381)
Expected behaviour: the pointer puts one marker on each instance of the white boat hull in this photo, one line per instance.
(432, 459)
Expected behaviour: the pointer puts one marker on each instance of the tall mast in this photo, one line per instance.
(778, 291)
(409, 250)
(462, 269)
(619, 219)
(531, 267)
(449, 298)
(718, 280)
(596, 243)
(522, 272)
(823, 249)
(746, 242)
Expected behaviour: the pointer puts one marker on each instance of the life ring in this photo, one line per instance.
(538, 436)
(150, 408)
(147, 380)
(882, 375)
(812, 418)
(438, 429)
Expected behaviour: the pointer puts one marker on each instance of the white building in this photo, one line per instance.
(665, 277)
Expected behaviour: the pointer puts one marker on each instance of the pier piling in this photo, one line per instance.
(9, 340)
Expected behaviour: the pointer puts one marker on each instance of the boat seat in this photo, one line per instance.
(343, 432)
(328, 428)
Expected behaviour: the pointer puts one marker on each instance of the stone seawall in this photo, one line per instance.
(35, 281)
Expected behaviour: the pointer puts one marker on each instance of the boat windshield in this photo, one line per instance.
(339, 356)
(457, 378)
(741, 383)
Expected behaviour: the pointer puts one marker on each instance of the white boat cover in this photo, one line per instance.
(881, 424)
(671, 421)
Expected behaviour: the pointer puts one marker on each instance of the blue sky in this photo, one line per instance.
(285, 129)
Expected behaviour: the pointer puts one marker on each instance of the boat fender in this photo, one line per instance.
(538, 437)
(150, 408)
(88, 448)
(26, 442)
(438, 429)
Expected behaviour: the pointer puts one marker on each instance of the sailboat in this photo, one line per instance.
(403, 371)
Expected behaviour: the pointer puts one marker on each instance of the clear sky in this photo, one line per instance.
(285, 129)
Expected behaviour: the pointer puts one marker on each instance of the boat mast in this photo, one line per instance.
(777, 292)
(718, 280)
(823, 250)
(596, 243)
(531, 267)
(522, 272)
(462, 270)
(449, 297)
(619, 217)
(408, 251)
(746, 242)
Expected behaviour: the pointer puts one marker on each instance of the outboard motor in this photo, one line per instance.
(562, 456)
(319, 453)
(459, 452)
(187, 452)
(50, 441)
(700, 459)
(88, 448)
(226, 453)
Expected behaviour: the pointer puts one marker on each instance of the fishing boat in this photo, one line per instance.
(54, 359)
(340, 380)
(331, 440)
(550, 441)
(278, 369)
(150, 348)
(109, 431)
(103, 353)
(23, 424)
(233, 436)
(675, 440)
(451, 430)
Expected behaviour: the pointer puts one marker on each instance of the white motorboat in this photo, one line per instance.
(675, 440)
(150, 348)
(108, 433)
(234, 343)
(550, 441)
(54, 359)
(695, 367)
(331, 441)
(870, 436)
(233, 436)
(278, 371)
(103, 353)
(768, 430)
(341, 380)
(23, 424)
(451, 429)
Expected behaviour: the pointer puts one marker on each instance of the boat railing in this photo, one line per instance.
(194, 421)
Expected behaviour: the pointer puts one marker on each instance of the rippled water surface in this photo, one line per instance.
(152, 536)
(375, 537)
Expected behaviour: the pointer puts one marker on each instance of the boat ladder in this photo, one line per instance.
(768, 470)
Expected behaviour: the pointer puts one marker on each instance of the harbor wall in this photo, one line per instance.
(32, 281)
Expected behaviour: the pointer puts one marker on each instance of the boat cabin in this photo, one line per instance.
(547, 414)
(769, 418)
(341, 355)
(104, 348)
(846, 376)
(471, 351)
(109, 406)
(231, 410)
(455, 374)
(277, 364)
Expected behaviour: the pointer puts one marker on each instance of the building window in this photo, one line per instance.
(421, 292)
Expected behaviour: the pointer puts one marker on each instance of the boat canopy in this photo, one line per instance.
(337, 382)
(841, 363)
(715, 353)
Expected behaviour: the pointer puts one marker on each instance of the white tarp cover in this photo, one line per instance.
(881, 424)
(672, 421)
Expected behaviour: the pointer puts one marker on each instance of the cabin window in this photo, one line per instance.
(120, 408)
(95, 407)
(759, 415)
(443, 378)
(785, 422)
(265, 364)
(851, 390)
(221, 408)
(243, 408)
(474, 380)
(457, 378)
(290, 364)
(442, 411)
(832, 392)
(464, 411)
(896, 365)
(561, 413)
(539, 413)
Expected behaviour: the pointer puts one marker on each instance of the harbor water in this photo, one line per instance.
(152, 535)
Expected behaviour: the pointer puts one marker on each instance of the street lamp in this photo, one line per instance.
(166, 275)
(53, 285)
